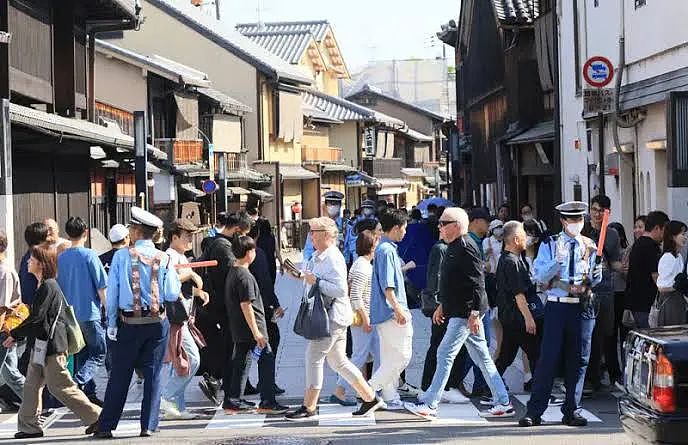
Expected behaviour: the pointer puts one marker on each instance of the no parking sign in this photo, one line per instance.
(598, 71)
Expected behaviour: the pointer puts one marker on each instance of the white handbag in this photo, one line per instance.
(40, 347)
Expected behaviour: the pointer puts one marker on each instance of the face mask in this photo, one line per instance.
(367, 212)
(498, 232)
(530, 241)
(574, 229)
(527, 216)
(333, 211)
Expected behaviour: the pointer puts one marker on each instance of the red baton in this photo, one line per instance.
(196, 265)
(603, 236)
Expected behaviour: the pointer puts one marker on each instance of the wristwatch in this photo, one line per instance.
(475, 313)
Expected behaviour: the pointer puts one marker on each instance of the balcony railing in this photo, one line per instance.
(182, 152)
(383, 168)
(321, 154)
(233, 162)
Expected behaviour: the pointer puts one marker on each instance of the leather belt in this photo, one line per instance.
(127, 317)
(569, 300)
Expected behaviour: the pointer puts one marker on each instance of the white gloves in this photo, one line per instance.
(112, 333)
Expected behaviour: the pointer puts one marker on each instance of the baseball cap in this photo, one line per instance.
(117, 233)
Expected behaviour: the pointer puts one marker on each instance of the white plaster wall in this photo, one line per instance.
(120, 84)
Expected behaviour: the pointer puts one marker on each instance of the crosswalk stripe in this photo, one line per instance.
(553, 413)
(221, 421)
(460, 414)
(337, 415)
(8, 427)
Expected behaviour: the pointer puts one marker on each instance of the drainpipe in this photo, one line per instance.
(556, 152)
(617, 121)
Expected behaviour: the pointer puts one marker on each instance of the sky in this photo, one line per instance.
(365, 29)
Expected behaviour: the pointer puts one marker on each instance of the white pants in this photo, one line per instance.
(395, 354)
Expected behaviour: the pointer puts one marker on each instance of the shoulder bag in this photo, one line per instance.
(75, 338)
(40, 347)
(312, 321)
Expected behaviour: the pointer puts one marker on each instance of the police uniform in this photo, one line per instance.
(567, 267)
(140, 281)
(332, 197)
(351, 231)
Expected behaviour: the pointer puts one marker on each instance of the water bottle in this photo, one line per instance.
(256, 352)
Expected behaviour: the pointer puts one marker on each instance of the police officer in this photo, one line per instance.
(140, 282)
(333, 208)
(567, 266)
(355, 226)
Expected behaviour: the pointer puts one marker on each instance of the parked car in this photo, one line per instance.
(654, 406)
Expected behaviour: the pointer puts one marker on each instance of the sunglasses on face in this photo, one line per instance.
(445, 223)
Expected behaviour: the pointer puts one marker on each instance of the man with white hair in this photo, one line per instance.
(57, 243)
(463, 301)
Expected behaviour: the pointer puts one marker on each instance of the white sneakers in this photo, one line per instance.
(499, 411)
(171, 412)
(454, 396)
(421, 410)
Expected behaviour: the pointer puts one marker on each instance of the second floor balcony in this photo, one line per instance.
(182, 152)
(383, 167)
(321, 154)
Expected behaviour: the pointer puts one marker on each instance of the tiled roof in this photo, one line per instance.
(316, 27)
(369, 89)
(345, 110)
(75, 128)
(287, 45)
(166, 68)
(517, 11)
(229, 104)
(232, 41)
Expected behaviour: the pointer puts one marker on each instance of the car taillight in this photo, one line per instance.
(663, 388)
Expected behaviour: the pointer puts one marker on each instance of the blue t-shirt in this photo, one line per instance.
(80, 274)
(386, 274)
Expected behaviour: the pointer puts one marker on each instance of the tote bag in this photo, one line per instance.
(75, 338)
(312, 321)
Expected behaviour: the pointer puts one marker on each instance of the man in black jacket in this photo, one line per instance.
(463, 301)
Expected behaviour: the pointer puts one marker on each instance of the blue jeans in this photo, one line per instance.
(457, 335)
(479, 383)
(92, 357)
(176, 384)
(9, 372)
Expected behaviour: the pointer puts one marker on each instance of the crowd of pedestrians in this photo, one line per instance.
(137, 309)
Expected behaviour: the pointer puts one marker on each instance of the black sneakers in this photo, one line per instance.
(210, 387)
(232, 407)
(272, 408)
(368, 408)
(301, 415)
(574, 420)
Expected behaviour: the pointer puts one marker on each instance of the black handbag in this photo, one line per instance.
(312, 321)
(176, 311)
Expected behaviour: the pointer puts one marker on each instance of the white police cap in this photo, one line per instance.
(572, 208)
(144, 218)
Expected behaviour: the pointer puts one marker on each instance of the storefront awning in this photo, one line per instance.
(542, 132)
(238, 190)
(413, 172)
(296, 172)
(150, 167)
(416, 135)
(360, 179)
(248, 175)
(193, 190)
(75, 129)
(262, 195)
(392, 183)
(337, 168)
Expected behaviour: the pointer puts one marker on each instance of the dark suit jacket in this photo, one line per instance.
(462, 282)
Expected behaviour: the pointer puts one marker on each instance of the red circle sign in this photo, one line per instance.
(598, 71)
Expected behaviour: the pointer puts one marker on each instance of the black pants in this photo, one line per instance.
(616, 340)
(515, 337)
(238, 367)
(212, 322)
(437, 333)
(601, 340)
(274, 336)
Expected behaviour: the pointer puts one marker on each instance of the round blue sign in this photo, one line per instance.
(209, 186)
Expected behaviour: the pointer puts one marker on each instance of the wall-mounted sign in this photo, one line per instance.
(598, 72)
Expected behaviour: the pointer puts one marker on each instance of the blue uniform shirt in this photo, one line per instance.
(120, 295)
(386, 274)
(27, 281)
(80, 274)
(553, 259)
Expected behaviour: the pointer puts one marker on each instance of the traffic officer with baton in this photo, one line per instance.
(140, 282)
(567, 266)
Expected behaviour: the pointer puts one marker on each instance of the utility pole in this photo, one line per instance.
(557, 104)
(141, 159)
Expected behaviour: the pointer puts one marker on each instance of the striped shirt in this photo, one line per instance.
(360, 278)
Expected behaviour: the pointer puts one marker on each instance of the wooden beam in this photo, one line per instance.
(64, 58)
(4, 51)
